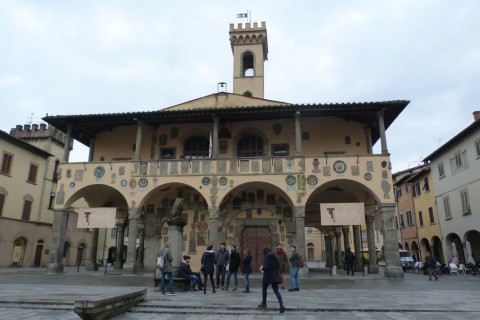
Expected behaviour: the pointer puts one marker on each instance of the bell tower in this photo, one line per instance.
(250, 51)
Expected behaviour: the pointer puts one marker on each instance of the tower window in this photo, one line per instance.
(247, 65)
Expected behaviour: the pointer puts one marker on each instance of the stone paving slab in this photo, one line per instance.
(52, 297)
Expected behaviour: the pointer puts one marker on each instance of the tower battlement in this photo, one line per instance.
(30, 133)
(248, 27)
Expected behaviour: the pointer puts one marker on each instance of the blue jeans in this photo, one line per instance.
(220, 275)
(193, 280)
(294, 277)
(247, 281)
(170, 282)
(234, 277)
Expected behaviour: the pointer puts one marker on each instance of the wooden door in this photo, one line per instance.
(255, 239)
(38, 255)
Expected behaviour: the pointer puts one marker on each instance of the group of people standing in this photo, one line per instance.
(226, 263)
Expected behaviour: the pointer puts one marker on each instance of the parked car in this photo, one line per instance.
(406, 260)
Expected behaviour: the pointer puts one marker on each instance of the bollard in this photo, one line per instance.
(334, 270)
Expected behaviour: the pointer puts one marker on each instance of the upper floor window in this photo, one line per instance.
(430, 214)
(459, 162)
(280, 150)
(2, 202)
(250, 146)
(410, 218)
(407, 188)
(398, 192)
(465, 201)
(32, 173)
(477, 147)
(426, 185)
(441, 171)
(420, 218)
(7, 160)
(446, 207)
(27, 208)
(196, 147)
(402, 223)
(416, 189)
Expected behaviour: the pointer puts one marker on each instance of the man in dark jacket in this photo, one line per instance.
(222, 261)
(233, 266)
(350, 261)
(271, 276)
(186, 272)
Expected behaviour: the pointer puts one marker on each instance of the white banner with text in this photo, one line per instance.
(96, 218)
(342, 214)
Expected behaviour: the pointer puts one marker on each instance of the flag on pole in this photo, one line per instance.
(242, 15)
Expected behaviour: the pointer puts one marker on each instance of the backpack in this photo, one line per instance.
(160, 262)
(301, 264)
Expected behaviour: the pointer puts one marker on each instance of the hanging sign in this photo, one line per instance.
(96, 218)
(342, 214)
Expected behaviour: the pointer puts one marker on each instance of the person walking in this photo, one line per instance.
(234, 262)
(284, 264)
(430, 263)
(247, 269)
(208, 267)
(295, 261)
(350, 261)
(270, 269)
(167, 269)
(222, 261)
(187, 273)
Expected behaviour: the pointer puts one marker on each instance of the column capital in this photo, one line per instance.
(134, 213)
(299, 211)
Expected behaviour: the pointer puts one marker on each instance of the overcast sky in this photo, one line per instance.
(82, 57)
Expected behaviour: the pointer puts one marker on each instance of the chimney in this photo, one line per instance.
(476, 115)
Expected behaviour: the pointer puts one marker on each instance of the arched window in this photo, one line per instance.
(247, 65)
(196, 147)
(250, 146)
(247, 94)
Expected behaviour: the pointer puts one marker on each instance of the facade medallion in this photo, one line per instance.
(206, 181)
(124, 183)
(367, 176)
(223, 181)
(339, 166)
(312, 180)
(99, 171)
(291, 180)
(143, 182)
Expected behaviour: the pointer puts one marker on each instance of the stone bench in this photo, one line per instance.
(179, 284)
(109, 305)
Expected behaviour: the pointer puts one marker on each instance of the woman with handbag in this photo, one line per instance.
(208, 267)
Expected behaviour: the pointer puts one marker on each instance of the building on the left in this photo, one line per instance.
(29, 157)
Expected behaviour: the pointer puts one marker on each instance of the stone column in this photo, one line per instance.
(92, 263)
(215, 138)
(298, 135)
(346, 237)
(141, 247)
(390, 242)
(368, 133)
(332, 248)
(118, 263)
(213, 227)
(328, 257)
(300, 229)
(66, 148)
(59, 227)
(358, 248)
(138, 143)
(133, 216)
(381, 128)
(372, 252)
(338, 241)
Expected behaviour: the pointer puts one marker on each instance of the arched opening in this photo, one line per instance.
(250, 146)
(248, 69)
(19, 247)
(310, 251)
(196, 147)
(247, 94)
(38, 254)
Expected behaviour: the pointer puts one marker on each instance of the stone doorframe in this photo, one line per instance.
(272, 224)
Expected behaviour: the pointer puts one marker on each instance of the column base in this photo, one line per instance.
(117, 265)
(304, 272)
(372, 269)
(394, 272)
(91, 267)
(54, 268)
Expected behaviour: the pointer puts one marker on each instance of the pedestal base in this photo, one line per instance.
(372, 269)
(394, 272)
(54, 268)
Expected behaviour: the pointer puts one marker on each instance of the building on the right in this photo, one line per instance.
(455, 168)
